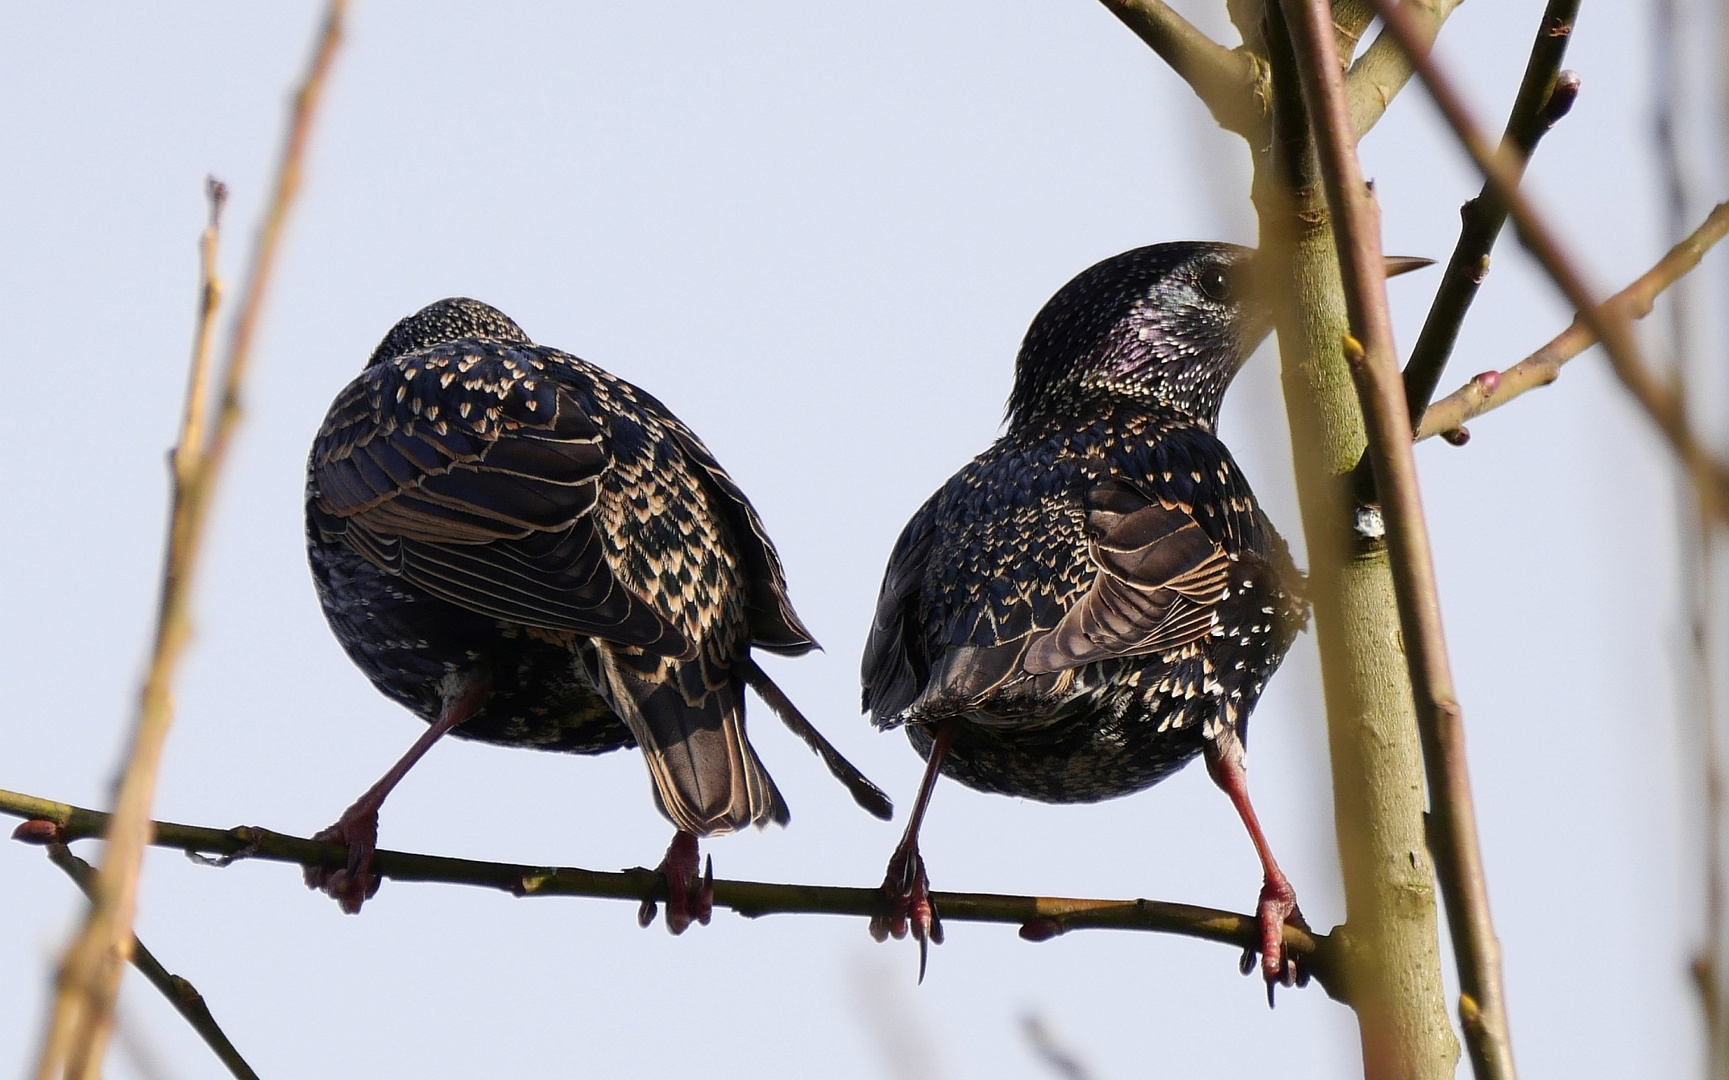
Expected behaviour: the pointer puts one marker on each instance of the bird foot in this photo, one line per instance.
(1276, 907)
(355, 883)
(689, 898)
(907, 905)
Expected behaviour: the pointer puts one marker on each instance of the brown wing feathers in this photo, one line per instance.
(1159, 575)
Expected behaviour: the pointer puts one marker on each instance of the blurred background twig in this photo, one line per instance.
(83, 1014)
(185, 998)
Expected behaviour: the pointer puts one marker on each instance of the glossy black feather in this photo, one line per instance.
(1098, 593)
(480, 504)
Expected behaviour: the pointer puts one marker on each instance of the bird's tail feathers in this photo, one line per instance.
(707, 777)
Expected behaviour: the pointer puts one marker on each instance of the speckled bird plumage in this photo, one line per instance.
(478, 505)
(1098, 595)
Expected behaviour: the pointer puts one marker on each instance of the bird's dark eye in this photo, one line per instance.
(1216, 283)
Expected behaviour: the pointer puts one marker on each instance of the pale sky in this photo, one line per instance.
(817, 232)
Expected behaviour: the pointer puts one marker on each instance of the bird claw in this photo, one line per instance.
(354, 884)
(689, 898)
(907, 905)
(1277, 906)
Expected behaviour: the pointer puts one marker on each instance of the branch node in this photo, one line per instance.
(38, 831)
(1458, 436)
(1561, 98)
(1043, 928)
(1470, 1014)
(1353, 350)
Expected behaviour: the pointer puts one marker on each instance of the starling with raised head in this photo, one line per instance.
(1097, 598)
(525, 549)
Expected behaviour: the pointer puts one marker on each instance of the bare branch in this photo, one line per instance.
(1039, 917)
(1661, 401)
(89, 976)
(185, 998)
(1382, 71)
(1230, 82)
(1491, 390)
(1545, 95)
(1370, 355)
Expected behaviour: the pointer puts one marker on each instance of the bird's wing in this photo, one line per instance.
(774, 625)
(895, 667)
(1159, 577)
(475, 478)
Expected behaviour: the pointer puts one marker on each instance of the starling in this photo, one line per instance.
(525, 549)
(1098, 597)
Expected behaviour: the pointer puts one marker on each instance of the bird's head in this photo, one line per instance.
(448, 320)
(1168, 324)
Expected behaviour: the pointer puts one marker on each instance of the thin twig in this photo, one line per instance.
(1230, 82)
(1491, 390)
(1661, 401)
(1039, 917)
(1545, 95)
(89, 976)
(1382, 71)
(194, 424)
(185, 998)
(1370, 355)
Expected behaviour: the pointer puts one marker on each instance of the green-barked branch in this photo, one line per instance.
(1038, 917)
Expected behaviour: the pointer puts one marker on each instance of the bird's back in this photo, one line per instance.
(500, 504)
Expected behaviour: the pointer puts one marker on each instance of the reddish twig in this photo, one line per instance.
(1661, 401)
(1493, 389)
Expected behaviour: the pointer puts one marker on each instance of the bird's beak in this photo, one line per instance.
(1404, 264)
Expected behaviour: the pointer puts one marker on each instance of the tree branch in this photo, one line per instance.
(1491, 390)
(1661, 401)
(1039, 917)
(89, 975)
(1383, 69)
(1374, 366)
(1389, 946)
(1545, 95)
(1231, 83)
(185, 998)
